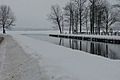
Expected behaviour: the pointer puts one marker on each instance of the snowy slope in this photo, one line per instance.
(62, 63)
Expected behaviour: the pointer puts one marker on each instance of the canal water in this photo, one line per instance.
(107, 50)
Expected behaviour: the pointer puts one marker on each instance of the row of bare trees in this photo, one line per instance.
(7, 17)
(91, 16)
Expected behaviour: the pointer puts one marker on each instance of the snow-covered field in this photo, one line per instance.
(60, 63)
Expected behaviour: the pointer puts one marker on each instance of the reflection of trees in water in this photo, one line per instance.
(86, 47)
(99, 49)
(95, 48)
(80, 45)
(61, 42)
(70, 43)
(106, 51)
(91, 47)
(74, 44)
(112, 55)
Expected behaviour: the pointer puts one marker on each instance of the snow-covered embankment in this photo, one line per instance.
(60, 63)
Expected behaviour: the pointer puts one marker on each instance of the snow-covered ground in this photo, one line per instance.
(60, 63)
(15, 64)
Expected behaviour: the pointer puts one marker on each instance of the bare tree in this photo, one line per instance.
(56, 16)
(99, 14)
(7, 17)
(69, 15)
(107, 18)
(115, 14)
(81, 6)
(112, 14)
(103, 15)
(97, 9)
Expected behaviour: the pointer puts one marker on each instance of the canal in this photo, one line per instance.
(107, 50)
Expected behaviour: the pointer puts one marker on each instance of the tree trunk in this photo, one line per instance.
(91, 21)
(59, 27)
(80, 13)
(92, 17)
(107, 22)
(106, 28)
(4, 32)
(58, 22)
(80, 23)
(93, 14)
(70, 25)
(86, 25)
(99, 22)
(76, 22)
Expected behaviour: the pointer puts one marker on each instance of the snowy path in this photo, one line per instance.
(62, 63)
(15, 64)
(2, 55)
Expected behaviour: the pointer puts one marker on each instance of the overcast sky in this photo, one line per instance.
(32, 13)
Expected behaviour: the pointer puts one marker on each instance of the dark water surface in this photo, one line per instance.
(107, 50)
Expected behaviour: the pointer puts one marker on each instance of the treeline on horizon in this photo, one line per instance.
(92, 15)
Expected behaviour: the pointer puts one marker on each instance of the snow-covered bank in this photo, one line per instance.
(62, 63)
(91, 36)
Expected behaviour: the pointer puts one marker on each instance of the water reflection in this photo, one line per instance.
(95, 48)
(99, 49)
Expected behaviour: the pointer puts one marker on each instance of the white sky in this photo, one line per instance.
(32, 13)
